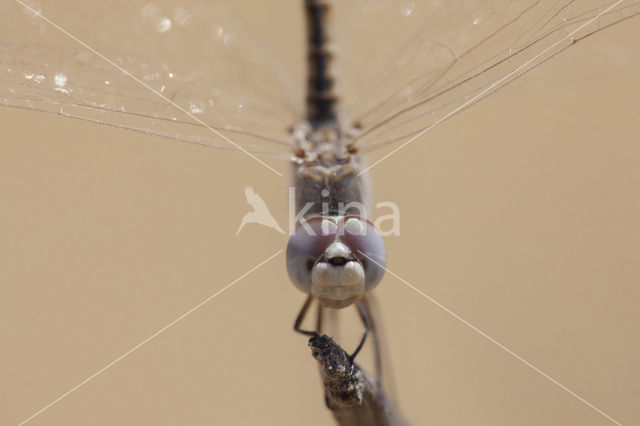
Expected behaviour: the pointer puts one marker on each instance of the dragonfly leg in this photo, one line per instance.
(364, 316)
(300, 318)
(319, 319)
(377, 354)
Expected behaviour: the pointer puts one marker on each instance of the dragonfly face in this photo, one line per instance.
(336, 259)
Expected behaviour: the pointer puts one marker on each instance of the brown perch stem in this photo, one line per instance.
(352, 396)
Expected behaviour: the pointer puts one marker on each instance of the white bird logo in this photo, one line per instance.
(260, 213)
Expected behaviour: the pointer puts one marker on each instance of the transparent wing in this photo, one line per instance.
(386, 366)
(460, 52)
(194, 53)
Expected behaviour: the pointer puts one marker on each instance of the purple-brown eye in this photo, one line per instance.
(306, 246)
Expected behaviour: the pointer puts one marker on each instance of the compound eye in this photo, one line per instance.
(367, 245)
(306, 246)
(355, 226)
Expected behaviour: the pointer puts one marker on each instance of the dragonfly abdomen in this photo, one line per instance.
(321, 98)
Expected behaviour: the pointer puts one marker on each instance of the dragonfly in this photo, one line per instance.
(454, 56)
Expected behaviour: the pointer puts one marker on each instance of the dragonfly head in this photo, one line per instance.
(336, 258)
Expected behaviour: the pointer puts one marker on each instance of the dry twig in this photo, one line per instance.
(353, 397)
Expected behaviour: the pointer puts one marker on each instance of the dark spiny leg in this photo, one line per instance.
(319, 319)
(300, 318)
(365, 320)
(319, 331)
(377, 354)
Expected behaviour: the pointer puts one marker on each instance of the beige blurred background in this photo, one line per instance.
(521, 215)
